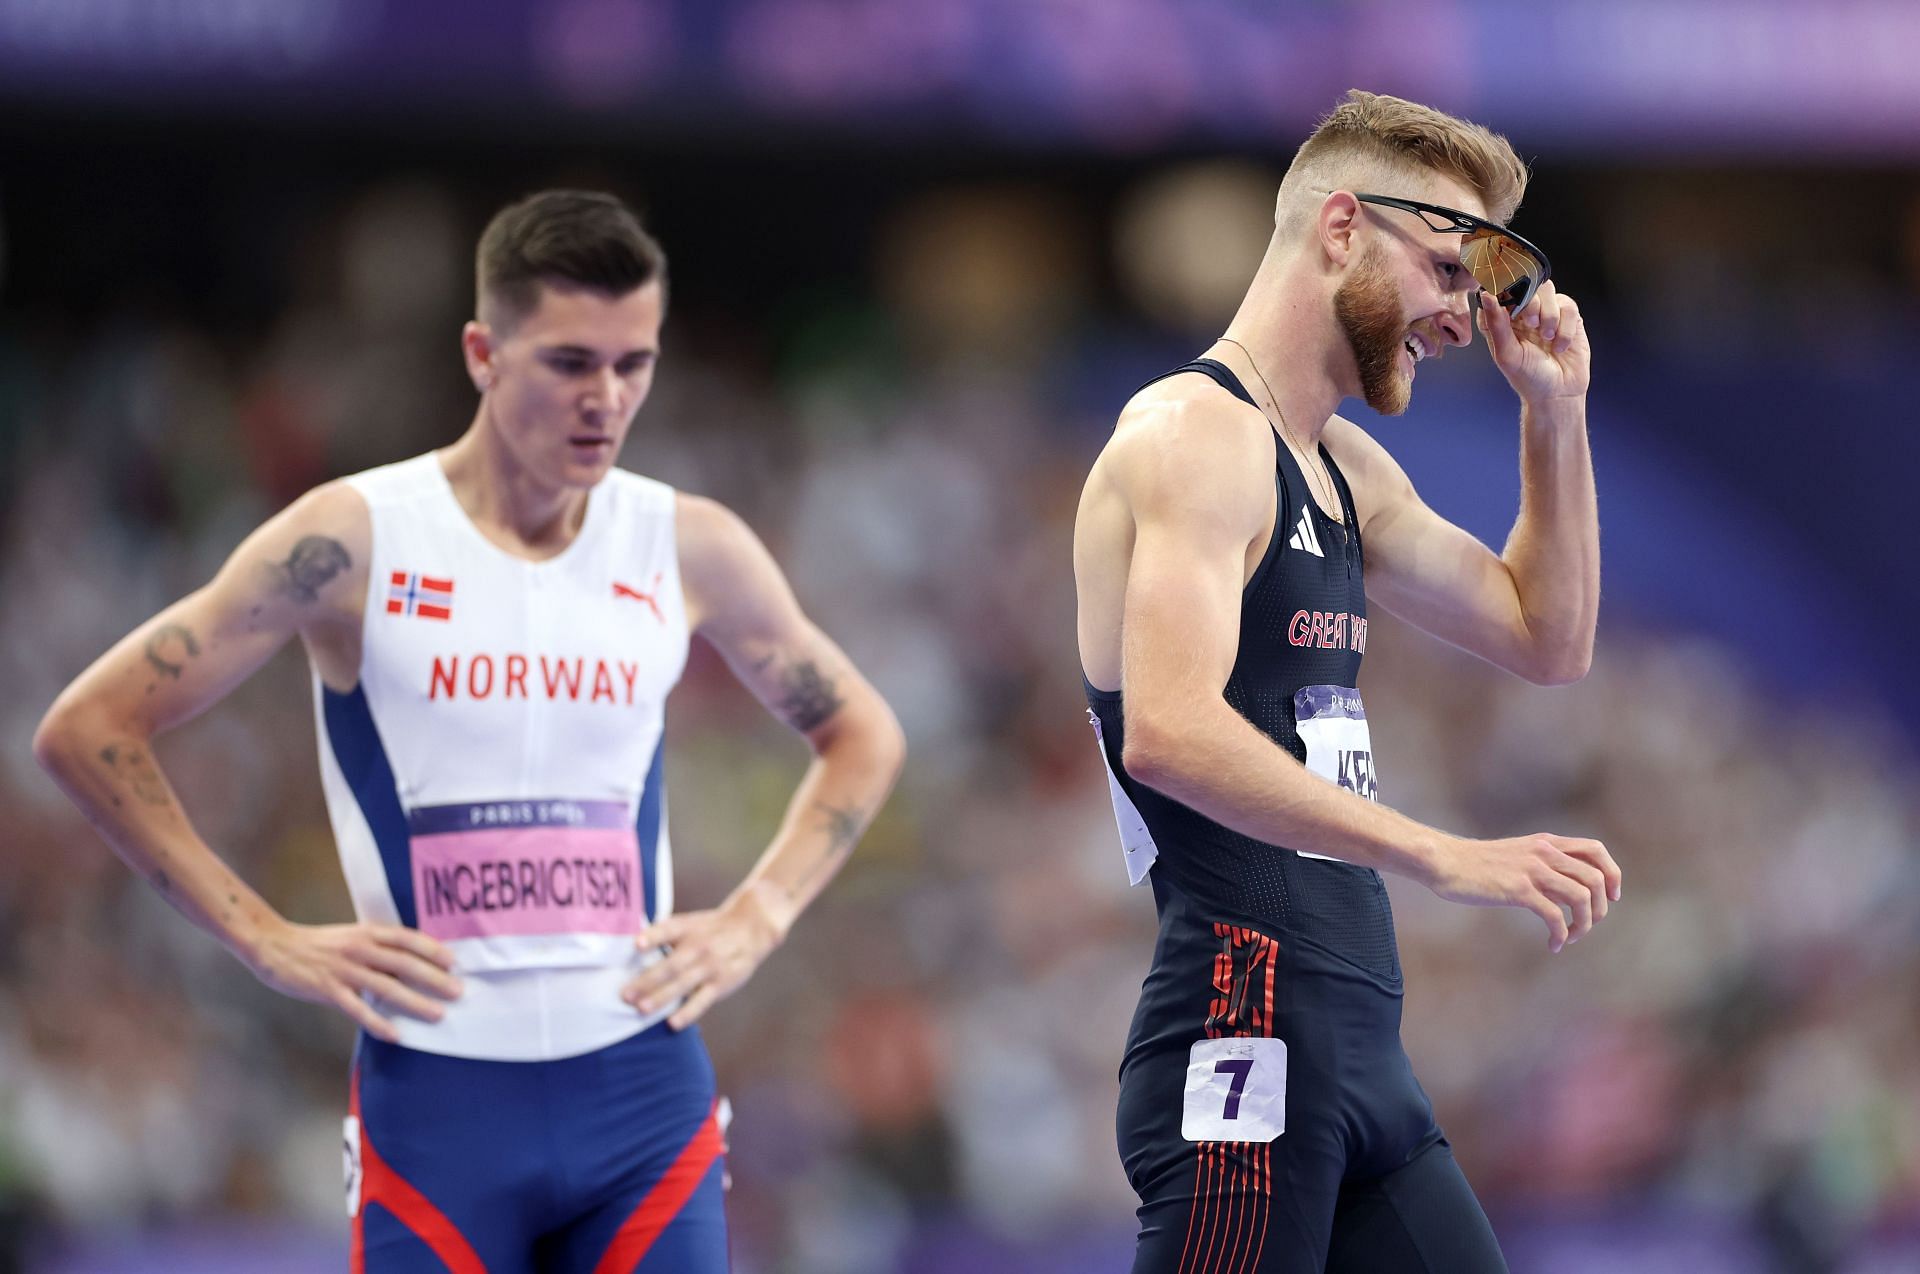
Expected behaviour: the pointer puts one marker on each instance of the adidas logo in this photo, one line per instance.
(1303, 536)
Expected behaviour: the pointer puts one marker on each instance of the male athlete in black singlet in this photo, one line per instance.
(1228, 540)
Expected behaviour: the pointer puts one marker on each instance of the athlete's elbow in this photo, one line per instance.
(1152, 754)
(868, 736)
(71, 731)
(46, 743)
(1562, 667)
(1565, 676)
(56, 738)
(889, 741)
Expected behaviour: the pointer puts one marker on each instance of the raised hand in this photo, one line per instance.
(1542, 350)
(404, 969)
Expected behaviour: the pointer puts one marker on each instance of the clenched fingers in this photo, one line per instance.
(1498, 325)
(1542, 315)
(1566, 327)
(1592, 851)
(1590, 879)
(1572, 895)
(1545, 908)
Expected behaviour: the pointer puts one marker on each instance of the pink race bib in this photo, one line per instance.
(500, 868)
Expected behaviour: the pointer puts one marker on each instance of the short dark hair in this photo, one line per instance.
(582, 237)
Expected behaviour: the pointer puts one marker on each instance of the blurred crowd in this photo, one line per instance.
(924, 1076)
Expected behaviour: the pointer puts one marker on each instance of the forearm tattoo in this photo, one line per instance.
(843, 828)
(315, 560)
(169, 648)
(808, 697)
(132, 766)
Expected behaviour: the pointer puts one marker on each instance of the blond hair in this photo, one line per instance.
(1371, 141)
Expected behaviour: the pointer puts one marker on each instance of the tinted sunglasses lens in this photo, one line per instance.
(1500, 265)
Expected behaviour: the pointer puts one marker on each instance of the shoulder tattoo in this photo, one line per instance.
(315, 560)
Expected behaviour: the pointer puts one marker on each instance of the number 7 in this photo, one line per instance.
(1241, 1068)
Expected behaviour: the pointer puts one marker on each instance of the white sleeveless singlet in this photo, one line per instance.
(495, 778)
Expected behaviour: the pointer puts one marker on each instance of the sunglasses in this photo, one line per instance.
(1498, 259)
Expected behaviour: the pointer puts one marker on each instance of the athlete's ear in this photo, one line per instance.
(1337, 226)
(476, 346)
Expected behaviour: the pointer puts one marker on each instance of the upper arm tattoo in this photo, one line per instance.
(169, 648)
(315, 560)
(808, 697)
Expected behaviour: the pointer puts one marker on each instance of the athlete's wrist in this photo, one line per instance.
(253, 934)
(765, 906)
(1555, 411)
(1429, 855)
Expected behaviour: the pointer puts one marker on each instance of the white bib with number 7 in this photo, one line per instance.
(1332, 722)
(1236, 1090)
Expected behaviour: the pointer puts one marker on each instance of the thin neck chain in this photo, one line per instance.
(1325, 483)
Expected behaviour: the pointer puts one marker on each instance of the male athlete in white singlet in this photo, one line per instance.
(494, 629)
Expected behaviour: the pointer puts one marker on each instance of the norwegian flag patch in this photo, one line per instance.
(423, 595)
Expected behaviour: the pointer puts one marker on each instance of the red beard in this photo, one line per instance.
(1368, 307)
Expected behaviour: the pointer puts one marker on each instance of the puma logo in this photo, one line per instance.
(623, 590)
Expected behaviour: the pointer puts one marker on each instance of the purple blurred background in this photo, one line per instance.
(1753, 76)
